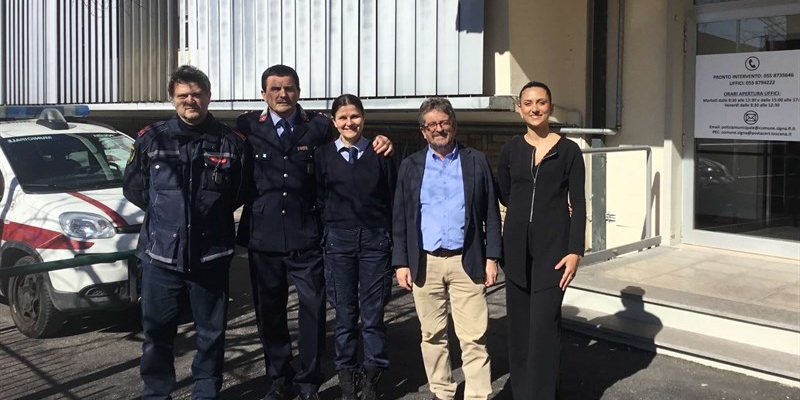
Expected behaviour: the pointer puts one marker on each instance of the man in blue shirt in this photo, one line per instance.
(446, 232)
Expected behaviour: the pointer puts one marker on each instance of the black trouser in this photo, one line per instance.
(358, 276)
(534, 341)
(269, 274)
(208, 298)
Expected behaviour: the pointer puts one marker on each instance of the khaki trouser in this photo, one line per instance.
(446, 282)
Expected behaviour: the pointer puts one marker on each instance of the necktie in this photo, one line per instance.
(353, 153)
(287, 133)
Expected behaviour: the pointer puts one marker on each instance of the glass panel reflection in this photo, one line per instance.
(749, 35)
(711, 1)
(748, 187)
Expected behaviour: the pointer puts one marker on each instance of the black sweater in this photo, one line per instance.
(560, 181)
(355, 195)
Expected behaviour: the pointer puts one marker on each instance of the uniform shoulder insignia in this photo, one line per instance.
(132, 155)
(249, 114)
(313, 114)
(144, 130)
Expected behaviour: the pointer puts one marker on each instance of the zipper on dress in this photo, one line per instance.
(535, 174)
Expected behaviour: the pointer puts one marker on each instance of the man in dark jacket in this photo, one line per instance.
(282, 228)
(187, 173)
(446, 232)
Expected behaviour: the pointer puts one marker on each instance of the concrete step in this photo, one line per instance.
(765, 345)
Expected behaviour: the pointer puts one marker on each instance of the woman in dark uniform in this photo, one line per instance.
(541, 179)
(356, 189)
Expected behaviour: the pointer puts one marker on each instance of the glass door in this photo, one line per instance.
(744, 176)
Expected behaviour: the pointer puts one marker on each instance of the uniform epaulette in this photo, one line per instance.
(144, 130)
(306, 115)
(309, 115)
(248, 114)
(263, 117)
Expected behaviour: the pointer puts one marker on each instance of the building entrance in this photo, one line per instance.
(746, 136)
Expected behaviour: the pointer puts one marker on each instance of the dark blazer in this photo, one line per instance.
(282, 215)
(543, 203)
(482, 224)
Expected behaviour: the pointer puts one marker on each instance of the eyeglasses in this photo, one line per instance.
(431, 127)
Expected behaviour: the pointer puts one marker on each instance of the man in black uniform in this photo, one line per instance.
(188, 174)
(282, 228)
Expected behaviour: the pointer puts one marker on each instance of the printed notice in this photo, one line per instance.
(748, 96)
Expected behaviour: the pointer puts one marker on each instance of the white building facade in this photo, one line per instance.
(711, 87)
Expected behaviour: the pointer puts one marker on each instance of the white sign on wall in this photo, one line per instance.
(748, 96)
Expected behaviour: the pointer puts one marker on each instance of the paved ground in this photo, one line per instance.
(97, 358)
(734, 277)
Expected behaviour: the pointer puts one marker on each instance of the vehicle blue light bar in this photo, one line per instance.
(52, 119)
(30, 112)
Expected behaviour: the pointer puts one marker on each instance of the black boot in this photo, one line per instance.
(347, 381)
(370, 389)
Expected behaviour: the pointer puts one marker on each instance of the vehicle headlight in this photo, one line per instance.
(86, 225)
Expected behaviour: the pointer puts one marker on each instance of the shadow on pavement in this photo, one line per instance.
(589, 367)
(405, 375)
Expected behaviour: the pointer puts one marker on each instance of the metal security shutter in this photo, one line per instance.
(373, 48)
(87, 51)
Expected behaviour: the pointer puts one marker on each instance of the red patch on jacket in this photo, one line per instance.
(144, 130)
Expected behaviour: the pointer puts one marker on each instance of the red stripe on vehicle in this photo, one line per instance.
(118, 220)
(41, 238)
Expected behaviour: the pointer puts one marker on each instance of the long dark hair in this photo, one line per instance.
(346, 99)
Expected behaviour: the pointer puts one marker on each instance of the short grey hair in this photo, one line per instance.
(438, 104)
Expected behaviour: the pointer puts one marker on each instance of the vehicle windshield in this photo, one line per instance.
(68, 162)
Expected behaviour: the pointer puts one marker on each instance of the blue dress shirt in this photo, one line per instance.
(276, 118)
(361, 145)
(441, 197)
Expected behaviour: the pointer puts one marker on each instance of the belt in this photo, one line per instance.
(442, 252)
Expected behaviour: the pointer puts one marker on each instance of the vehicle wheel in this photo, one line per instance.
(31, 308)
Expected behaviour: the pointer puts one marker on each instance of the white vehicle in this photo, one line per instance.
(61, 188)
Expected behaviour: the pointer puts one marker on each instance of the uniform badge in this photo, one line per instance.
(143, 130)
(218, 160)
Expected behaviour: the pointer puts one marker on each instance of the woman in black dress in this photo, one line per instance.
(541, 179)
